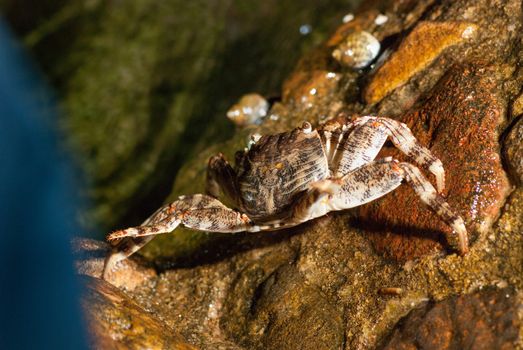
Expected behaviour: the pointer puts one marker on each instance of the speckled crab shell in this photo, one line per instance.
(279, 167)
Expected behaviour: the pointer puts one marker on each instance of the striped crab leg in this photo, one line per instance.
(366, 136)
(198, 212)
(365, 184)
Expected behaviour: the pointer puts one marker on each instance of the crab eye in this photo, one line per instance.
(306, 127)
(255, 137)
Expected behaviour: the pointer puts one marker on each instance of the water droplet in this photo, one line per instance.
(348, 17)
(381, 19)
(305, 29)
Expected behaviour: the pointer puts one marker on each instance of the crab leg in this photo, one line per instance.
(365, 141)
(127, 246)
(198, 212)
(430, 197)
(366, 184)
(221, 177)
(379, 178)
(124, 248)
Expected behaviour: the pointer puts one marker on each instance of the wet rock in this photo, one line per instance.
(313, 95)
(489, 46)
(117, 322)
(287, 312)
(291, 313)
(460, 121)
(362, 21)
(517, 107)
(257, 290)
(213, 300)
(380, 25)
(415, 53)
(483, 320)
(514, 151)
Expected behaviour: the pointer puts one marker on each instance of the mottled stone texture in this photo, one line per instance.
(317, 286)
(419, 49)
(288, 311)
(315, 95)
(514, 151)
(117, 322)
(482, 320)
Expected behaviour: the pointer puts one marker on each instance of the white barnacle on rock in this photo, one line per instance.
(381, 19)
(469, 32)
(348, 17)
(357, 50)
(250, 109)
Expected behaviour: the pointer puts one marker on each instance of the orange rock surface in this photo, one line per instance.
(415, 53)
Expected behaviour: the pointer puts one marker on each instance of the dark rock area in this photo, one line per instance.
(482, 320)
(514, 151)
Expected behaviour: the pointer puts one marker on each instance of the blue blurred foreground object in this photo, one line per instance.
(39, 293)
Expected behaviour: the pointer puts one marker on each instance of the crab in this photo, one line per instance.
(287, 179)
